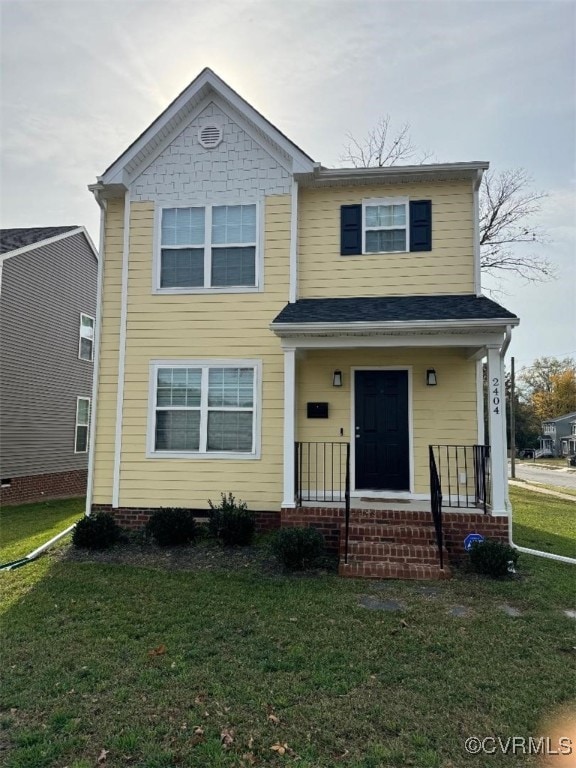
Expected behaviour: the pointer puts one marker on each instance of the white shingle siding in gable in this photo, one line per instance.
(238, 167)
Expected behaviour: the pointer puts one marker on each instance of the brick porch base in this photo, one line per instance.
(57, 485)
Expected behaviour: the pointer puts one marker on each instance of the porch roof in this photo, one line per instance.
(386, 309)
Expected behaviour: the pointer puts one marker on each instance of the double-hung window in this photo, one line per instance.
(386, 225)
(204, 408)
(208, 247)
(86, 341)
(82, 422)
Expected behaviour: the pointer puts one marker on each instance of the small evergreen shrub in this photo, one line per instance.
(172, 527)
(493, 558)
(231, 521)
(298, 548)
(97, 531)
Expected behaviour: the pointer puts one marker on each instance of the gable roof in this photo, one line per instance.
(14, 242)
(394, 309)
(14, 239)
(178, 112)
(571, 415)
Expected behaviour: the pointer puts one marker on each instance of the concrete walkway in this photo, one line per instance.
(528, 487)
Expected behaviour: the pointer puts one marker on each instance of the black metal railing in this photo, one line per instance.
(322, 473)
(464, 475)
(436, 503)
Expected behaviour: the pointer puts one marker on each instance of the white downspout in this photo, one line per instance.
(525, 550)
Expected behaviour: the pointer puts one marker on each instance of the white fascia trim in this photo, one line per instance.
(301, 162)
(121, 354)
(96, 368)
(254, 363)
(49, 241)
(329, 175)
(397, 326)
(462, 341)
(293, 287)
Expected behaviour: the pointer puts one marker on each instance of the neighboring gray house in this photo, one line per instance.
(48, 283)
(556, 433)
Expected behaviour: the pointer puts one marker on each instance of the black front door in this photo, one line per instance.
(382, 441)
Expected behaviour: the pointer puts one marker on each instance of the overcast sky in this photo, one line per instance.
(476, 81)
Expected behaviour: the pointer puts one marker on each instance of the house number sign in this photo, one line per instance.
(496, 394)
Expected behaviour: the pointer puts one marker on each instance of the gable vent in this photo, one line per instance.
(210, 136)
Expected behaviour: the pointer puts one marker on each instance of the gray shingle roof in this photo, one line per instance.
(392, 308)
(12, 239)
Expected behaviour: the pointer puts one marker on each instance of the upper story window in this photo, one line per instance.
(86, 342)
(573, 430)
(204, 408)
(213, 247)
(386, 225)
(549, 429)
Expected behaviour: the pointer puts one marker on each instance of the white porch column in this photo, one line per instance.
(289, 426)
(497, 428)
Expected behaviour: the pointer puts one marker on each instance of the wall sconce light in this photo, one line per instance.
(337, 379)
(431, 380)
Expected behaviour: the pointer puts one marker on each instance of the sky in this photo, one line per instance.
(476, 80)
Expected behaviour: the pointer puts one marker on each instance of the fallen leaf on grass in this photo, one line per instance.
(198, 731)
(159, 651)
(102, 756)
(200, 699)
(226, 738)
(281, 749)
(272, 718)
(250, 742)
(249, 758)
(403, 624)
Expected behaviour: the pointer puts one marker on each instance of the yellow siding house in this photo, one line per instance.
(309, 339)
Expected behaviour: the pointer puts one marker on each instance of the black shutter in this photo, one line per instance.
(421, 225)
(350, 230)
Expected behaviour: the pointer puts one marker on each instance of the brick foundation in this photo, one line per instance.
(134, 518)
(58, 485)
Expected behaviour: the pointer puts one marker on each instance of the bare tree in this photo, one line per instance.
(507, 203)
(382, 147)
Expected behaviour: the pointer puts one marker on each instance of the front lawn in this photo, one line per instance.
(136, 666)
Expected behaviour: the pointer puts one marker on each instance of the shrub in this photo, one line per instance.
(231, 521)
(97, 531)
(493, 558)
(171, 527)
(298, 548)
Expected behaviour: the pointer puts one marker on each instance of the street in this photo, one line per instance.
(537, 474)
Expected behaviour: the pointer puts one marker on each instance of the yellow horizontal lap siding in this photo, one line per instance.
(435, 418)
(448, 268)
(196, 326)
(109, 347)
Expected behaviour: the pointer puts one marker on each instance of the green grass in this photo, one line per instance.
(544, 522)
(349, 686)
(27, 526)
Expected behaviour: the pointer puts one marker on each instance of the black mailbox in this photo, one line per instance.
(317, 410)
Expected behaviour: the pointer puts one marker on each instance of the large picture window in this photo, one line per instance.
(208, 247)
(204, 408)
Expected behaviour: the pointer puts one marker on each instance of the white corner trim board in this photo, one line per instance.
(121, 354)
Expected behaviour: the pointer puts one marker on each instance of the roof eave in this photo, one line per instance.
(396, 173)
(392, 326)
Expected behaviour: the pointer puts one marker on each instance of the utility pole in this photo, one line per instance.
(512, 421)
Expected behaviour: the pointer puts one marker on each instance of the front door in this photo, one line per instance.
(381, 440)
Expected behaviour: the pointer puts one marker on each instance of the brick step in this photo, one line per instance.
(386, 532)
(380, 516)
(393, 570)
(359, 551)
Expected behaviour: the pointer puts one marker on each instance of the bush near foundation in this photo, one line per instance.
(298, 548)
(97, 531)
(493, 558)
(231, 521)
(172, 527)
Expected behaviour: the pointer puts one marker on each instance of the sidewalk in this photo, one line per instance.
(528, 487)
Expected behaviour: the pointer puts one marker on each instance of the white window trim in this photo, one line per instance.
(259, 256)
(87, 425)
(256, 365)
(385, 201)
(91, 358)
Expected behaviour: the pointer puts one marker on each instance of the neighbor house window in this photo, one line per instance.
(82, 421)
(213, 246)
(203, 408)
(385, 225)
(86, 345)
